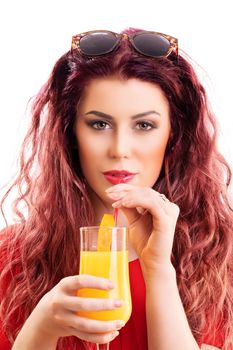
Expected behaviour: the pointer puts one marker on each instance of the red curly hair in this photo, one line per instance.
(44, 243)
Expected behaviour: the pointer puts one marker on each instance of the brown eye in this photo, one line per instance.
(145, 126)
(99, 125)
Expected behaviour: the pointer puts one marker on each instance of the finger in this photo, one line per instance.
(146, 198)
(73, 283)
(116, 195)
(132, 214)
(92, 304)
(141, 210)
(119, 195)
(120, 187)
(163, 212)
(87, 325)
(121, 190)
(94, 337)
(118, 192)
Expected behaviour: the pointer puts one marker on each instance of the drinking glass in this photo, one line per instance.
(106, 256)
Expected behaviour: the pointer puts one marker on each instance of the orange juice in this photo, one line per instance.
(112, 265)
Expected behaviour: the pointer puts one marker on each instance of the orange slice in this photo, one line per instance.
(104, 235)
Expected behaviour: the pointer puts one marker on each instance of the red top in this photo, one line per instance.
(133, 336)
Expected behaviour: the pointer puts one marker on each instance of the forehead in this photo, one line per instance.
(115, 94)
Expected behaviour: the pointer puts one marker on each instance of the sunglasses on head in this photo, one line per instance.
(102, 42)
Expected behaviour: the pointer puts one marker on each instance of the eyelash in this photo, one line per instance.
(95, 122)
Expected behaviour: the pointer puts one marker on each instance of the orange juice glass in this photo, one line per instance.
(110, 262)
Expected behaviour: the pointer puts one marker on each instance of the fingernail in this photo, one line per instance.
(116, 205)
(141, 211)
(118, 303)
(113, 195)
(110, 285)
(120, 324)
(114, 334)
(110, 189)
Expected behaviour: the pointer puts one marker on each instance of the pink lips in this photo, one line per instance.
(118, 176)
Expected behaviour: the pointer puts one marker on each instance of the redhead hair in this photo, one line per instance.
(44, 244)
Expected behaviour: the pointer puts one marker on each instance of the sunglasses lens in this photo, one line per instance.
(151, 44)
(98, 43)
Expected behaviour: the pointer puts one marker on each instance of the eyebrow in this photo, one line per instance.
(109, 117)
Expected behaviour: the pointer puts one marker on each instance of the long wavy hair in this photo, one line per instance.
(43, 246)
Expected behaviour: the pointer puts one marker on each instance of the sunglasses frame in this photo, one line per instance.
(75, 45)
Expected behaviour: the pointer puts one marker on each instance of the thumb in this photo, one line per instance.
(132, 214)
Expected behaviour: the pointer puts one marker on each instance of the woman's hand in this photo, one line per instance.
(152, 220)
(55, 314)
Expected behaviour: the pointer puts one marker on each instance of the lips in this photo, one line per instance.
(118, 176)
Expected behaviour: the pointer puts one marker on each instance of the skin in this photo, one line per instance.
(139, 114)
(122, 143)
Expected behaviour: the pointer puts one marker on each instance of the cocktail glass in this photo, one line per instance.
(104, 253)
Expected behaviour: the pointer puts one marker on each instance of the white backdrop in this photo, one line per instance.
(34, 34)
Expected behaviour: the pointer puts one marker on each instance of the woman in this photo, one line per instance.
(124, 107)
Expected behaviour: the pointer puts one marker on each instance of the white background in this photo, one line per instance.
(34, 34)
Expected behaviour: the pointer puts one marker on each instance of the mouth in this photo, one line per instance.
(118, 176)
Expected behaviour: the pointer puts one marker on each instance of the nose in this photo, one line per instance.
(120, 146)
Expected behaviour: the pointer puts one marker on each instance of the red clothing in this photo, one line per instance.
(133, 336)
(4, 343)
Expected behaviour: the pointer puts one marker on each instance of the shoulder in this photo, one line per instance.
(209, 347)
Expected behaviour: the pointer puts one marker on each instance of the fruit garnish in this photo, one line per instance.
(104, 234)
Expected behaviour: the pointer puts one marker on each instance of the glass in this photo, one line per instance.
(106, 256)
(101, 42)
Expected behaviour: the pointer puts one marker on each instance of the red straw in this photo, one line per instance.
(115, 215)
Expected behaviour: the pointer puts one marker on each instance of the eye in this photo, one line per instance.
(99, 124)
(146, 126)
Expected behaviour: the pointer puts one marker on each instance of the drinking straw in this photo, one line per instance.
(115, 212)
(115, 215)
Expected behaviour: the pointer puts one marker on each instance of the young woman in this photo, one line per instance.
(127, 107)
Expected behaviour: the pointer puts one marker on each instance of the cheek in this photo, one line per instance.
(154, 161)
(152, 158)
(85, 155)
(154, 149)
(89, 151)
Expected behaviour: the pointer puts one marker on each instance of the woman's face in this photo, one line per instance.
(121, 125)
